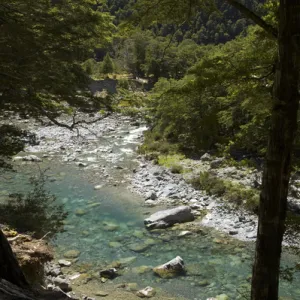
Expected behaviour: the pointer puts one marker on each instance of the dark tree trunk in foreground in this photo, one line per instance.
(276, 175)
(9, 267)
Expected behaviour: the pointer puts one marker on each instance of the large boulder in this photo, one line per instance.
(168, 217)
(171, 269)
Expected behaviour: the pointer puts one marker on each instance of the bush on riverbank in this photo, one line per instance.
(232, 192)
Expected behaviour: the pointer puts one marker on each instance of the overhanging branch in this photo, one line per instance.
(254, 17)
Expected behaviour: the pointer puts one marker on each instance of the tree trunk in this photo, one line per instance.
(276, 175)
(9, 266)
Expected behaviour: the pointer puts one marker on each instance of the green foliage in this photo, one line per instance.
(145, 55)
(12, 141)
(176, 169)
(153, 144)
(36, 212)
(123, 83)
(232, 192)
(172, 162)
(107, 66)
(204, 21)
(224, 102)
(43, 45)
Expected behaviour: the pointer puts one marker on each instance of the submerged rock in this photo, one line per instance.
(168, 217)
(136, 247)
(72, 254)
(127, 260)
(141, 269)
(147, 292)
(80, 212)
(101, 294)
(109, 226)
(171, 269)
(64, 263)
(109, 273)
(132, 286)
(115, 245)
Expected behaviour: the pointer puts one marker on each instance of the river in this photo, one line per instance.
(89, 173)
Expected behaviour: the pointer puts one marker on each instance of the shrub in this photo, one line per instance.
(176, 169)
(123, 83)
(232, 192)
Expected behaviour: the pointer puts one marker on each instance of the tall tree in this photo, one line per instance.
(277, 167)
(276, 174)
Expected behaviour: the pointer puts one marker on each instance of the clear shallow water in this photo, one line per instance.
(106, 226)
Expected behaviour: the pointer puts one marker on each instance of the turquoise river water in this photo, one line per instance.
(106, 225)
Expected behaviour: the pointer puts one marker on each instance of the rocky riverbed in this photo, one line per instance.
(158, 185)
(98, 176)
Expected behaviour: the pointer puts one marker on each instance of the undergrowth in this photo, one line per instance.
(232, 192)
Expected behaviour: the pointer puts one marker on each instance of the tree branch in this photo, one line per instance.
(74, 123)
(254, 17)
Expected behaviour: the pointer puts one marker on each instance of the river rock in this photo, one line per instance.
(206, 157)
(115, 244)
(141, 269)
(109, 226)
(217, 162)
(81, 164)
(184, 233)
(80, 212)
(33, 158)
(64, 263)
(98, 187)
(150, 203)
(168, 217)
(63, 283)
(72, 254)
(52, 269)
(131, 286)
(136, 247)
(147, 292)
(151, 196)
(170, 269)
(127, 260)
(101, 294)
(109, 273)
(222, 297)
